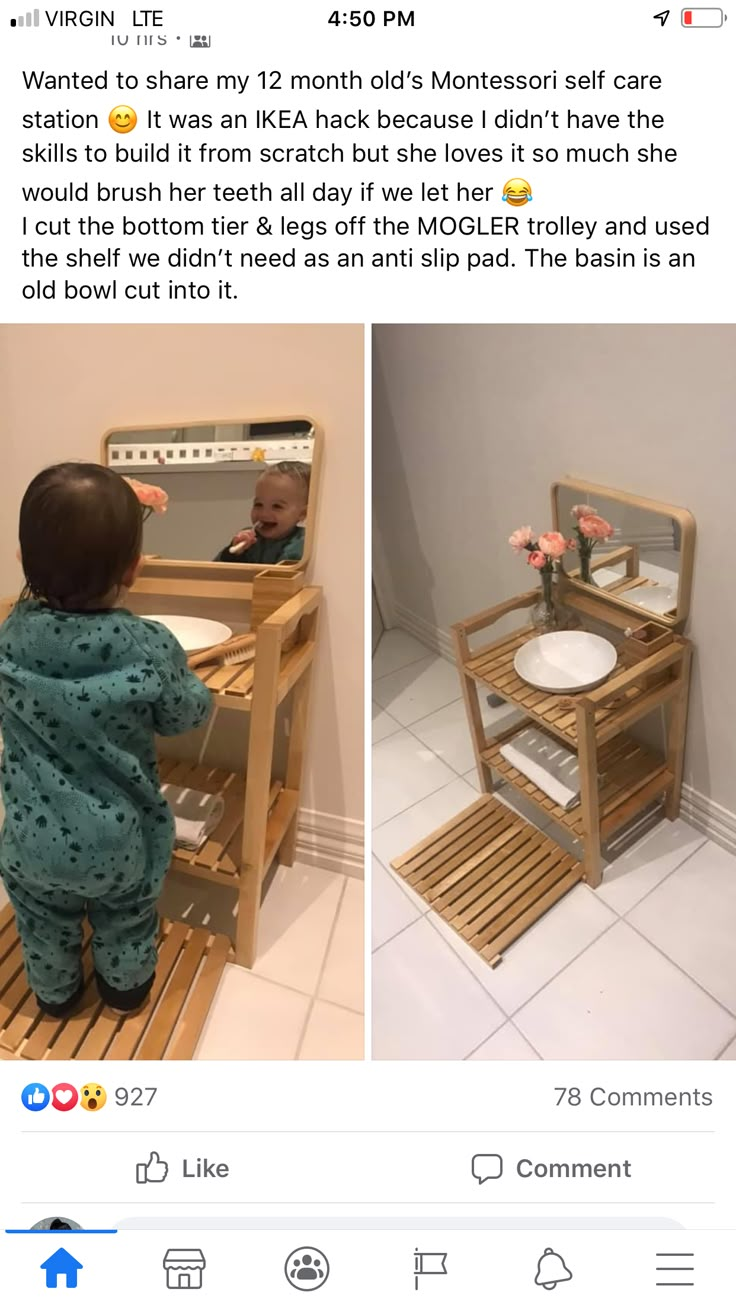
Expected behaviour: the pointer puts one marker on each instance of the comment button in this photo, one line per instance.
(487, 1167)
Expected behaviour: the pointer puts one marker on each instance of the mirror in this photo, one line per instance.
(637, 551)
(238, 492)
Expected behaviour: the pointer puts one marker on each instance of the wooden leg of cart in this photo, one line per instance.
(299, 719)
(676, 726)
(588, 765)
(472, 708)
(257, 790)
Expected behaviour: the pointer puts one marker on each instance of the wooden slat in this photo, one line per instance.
(630, 776)
(533, 913)
(192, 1020)
(190, 964)
(220, 678)
(493, 667)
(161, 1025)
(509, 903)
(459, 859)
(243, 683)
(496, 892)
(448, 828)
(133, 1028)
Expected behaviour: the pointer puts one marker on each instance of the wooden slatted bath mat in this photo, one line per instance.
(489, 874)
(190, 964)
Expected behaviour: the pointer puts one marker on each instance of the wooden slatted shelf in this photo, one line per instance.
(233, 684)
(493, 667)
(489, 874)
(219, 859)
(630, 778)
(190, 964)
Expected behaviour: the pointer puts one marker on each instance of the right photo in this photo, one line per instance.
(554, 789)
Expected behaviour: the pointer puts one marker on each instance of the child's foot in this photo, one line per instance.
(63, 1008)
(124, 1002)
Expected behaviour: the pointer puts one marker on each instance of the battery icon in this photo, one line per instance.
(702, 18)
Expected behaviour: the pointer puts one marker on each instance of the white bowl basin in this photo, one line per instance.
(193, 634)
(658, 599)
(565, 661)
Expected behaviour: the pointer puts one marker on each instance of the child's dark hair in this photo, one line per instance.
(81, 527)
(298, 472)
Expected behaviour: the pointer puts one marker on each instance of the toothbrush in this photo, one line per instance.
(243, 545)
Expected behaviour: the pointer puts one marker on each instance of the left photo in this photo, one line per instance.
(181, 692)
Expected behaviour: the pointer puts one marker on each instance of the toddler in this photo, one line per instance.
(278, 509)
(84, 687)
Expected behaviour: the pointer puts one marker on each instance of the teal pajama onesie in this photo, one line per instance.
(87, 831)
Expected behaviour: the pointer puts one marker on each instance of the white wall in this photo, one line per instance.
(472, 424)
(63, 386)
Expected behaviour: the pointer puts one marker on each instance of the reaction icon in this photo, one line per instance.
(92, 1097)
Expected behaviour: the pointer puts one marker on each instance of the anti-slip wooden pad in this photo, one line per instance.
(490, 874)
(190, 964)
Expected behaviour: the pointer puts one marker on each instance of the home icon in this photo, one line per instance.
(184, 1269)
(59, 1264)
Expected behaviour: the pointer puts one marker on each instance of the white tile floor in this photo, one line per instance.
(642, 968)
(304, 997)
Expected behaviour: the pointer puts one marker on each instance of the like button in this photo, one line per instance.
(152, 1171)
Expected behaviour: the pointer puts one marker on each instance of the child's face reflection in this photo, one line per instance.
(278, 506)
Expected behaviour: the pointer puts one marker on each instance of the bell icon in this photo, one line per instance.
(551, 1270)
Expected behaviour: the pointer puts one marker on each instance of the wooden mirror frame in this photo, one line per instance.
(684, 519)
(237, 572)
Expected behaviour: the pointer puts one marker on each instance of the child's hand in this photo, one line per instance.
(242, 541)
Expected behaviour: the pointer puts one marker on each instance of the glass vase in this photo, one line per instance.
(543, 615)
(586, 573)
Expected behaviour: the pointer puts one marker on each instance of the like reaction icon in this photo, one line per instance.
(35, 1097)
(153, 1172)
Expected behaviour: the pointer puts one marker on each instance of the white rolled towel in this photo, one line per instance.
(548, 764)
(196, 814)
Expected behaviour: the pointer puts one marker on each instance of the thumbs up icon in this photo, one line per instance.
(155, 1170)
(35, 1097)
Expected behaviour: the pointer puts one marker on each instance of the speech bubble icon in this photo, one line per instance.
(487, 1167)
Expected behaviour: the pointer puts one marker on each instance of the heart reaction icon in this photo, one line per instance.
(64, 1096)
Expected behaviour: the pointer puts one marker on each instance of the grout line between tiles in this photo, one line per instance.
(515, 1011)
(497, 1031)
(723, 1050)
(402, 666)
(684, 971)
(313, 997)
(400, 932)
(416, 801)
(676, 868)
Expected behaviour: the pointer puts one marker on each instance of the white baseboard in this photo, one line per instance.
(715, 821)
(434, 637)
(331, 842)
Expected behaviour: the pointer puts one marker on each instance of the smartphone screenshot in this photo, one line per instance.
(368, 824)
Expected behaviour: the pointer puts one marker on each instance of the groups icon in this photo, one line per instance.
(63, 1097)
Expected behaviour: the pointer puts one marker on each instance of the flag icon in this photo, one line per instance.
(429, 1264)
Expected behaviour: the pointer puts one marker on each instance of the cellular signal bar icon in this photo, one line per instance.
(27, 20)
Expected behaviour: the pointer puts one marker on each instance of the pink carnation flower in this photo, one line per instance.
(537, 559)
(521, 538)
(151, 497)
(594, 527)
(582, 511)
(553, 544)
